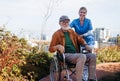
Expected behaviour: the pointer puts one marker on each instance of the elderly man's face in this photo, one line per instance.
(64, 23)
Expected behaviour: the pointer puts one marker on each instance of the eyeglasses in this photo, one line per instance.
(65, 22)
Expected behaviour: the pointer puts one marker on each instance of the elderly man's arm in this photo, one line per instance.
(54, 46)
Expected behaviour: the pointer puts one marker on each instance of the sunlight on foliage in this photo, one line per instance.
(109, 54)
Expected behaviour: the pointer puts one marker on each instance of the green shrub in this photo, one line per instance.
(37, 66)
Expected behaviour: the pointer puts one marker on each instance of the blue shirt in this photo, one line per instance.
(82, 29)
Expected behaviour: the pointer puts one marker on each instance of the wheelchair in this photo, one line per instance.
(59, 64)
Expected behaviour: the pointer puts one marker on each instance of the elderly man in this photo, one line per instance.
(66, 41)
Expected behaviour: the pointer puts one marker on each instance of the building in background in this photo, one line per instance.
(101, 34)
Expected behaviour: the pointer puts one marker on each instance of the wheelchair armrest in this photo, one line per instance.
(84, 51)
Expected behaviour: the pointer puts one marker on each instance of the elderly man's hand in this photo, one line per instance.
(88, 48)
(60, 49)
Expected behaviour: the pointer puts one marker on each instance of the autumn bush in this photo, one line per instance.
(21, 62)
(108, 54)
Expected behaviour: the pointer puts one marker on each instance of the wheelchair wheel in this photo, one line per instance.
(55, 73)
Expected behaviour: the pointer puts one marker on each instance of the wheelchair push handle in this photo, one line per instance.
(61, 56)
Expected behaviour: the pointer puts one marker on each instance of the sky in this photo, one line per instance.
(20, 16)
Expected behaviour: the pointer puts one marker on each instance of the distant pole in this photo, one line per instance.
(99, 43)
(117, 41)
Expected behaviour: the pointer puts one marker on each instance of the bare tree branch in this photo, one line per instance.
(51, 6)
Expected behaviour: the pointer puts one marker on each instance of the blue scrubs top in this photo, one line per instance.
(81, 29)
(87, 26)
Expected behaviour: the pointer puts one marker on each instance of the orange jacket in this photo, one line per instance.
(58, 38)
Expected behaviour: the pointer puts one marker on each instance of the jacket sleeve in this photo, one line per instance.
(53, 43)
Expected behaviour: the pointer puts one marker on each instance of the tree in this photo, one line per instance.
(51, 6)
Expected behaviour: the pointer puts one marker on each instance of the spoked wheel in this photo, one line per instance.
(55, 74)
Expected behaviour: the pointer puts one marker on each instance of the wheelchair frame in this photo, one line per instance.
(58, 64)
(56, 67)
